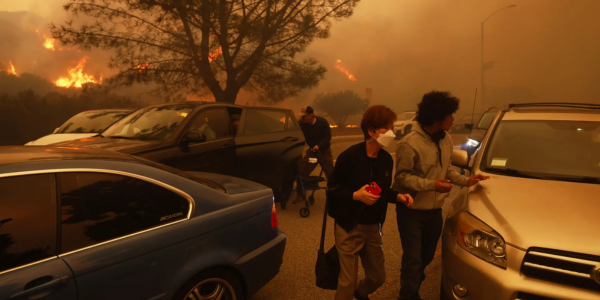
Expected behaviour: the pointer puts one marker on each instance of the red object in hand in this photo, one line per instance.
(374, 189)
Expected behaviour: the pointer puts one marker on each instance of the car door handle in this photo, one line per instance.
(289, 139)
(52, 284)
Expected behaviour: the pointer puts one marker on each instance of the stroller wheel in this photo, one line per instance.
(311, 199)
(304, 212)
(283, 204)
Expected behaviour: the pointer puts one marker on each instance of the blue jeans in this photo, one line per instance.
(420, 231)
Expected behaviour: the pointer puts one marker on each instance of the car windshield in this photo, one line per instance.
(91, 121)
(486, 120)
(557, 150)
(152, 123)
(405, 116)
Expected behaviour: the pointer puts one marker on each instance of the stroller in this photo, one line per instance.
(310, 183)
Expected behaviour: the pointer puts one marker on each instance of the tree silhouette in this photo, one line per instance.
(219, 46)
(341, 105)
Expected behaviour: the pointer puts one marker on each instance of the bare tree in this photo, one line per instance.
(196, 46)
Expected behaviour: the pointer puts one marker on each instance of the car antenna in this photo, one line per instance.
(473, 114)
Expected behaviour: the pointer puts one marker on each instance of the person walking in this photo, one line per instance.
(359, 191)
(423, 159)
(317, 134)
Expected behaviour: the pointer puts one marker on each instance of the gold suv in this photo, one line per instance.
(533, 230)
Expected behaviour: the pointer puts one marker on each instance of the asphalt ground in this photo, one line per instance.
(296, 279)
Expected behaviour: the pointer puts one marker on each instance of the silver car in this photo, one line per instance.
(531, 231)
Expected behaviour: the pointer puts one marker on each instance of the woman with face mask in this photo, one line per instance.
(359, 192)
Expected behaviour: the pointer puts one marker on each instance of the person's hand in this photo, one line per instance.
(315, 148)
(365, 197)
(443, 186)
(476, 179)
(406, 199)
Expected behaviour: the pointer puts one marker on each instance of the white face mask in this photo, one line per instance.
(386, 139)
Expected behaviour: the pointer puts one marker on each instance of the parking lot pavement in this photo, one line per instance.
(296, 279)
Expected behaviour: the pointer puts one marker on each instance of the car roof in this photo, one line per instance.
(196, 104)
(553, 111)
(110, 110)
(25, 154)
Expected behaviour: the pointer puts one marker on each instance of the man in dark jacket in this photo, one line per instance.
(317, 134)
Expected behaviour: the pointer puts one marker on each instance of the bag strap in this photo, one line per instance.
(322, 246)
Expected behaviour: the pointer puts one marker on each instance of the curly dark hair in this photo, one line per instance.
(436, 106)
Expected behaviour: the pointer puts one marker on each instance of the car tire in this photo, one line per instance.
(407, 129)
(210, 284)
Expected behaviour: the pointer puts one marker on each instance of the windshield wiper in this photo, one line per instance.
(514, 173)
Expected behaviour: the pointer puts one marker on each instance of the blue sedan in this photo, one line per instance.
(86, 224)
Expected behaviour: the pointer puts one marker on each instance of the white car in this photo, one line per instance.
(86, 124)
(405, 122)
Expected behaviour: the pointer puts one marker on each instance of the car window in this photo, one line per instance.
(486, 120)
(98, 207)
(152, 123)
(92, 122)
(213, 123)
(264, 121)
(291, 123)
(27, 220)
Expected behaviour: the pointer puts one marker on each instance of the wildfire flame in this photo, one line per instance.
(49, 43)
(338, 65)
(351, 126)
(214, 55)
(77, 77)
(333, 126)
(142, 67)
(10, 70)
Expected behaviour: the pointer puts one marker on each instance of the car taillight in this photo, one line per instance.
(274, 222)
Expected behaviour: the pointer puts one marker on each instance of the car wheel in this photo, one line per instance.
(407, 129)
(217, 284)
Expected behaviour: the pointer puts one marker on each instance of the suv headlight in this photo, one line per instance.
(481, 240)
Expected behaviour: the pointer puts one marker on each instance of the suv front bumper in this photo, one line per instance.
(487, 281)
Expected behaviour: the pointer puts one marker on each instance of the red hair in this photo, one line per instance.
(376, 117)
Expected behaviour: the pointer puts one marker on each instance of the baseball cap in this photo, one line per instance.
(306, 110)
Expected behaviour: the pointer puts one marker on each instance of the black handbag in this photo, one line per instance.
(327, 268)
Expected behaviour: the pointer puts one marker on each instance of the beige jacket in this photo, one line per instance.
(418, 167)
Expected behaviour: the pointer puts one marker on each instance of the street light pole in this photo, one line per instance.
(482, 60)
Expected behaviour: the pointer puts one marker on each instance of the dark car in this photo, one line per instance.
(256, 143)
(78, 223)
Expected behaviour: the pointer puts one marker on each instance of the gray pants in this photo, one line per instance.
(365, 242)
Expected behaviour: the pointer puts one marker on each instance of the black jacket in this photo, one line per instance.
(351, 172)
(318, 133)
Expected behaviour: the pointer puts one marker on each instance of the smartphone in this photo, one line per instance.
(374, 189)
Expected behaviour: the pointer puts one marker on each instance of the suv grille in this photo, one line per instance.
(526, 296)
(568, 268)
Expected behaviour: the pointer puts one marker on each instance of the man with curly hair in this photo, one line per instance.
(423, 158)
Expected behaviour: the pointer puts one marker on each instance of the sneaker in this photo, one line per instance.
(359, 297)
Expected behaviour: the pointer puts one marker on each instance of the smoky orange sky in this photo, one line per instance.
(542, 50)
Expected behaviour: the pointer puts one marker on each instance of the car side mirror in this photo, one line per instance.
(56, 130)
(469, 126)
(194, 136)
(460, 158)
